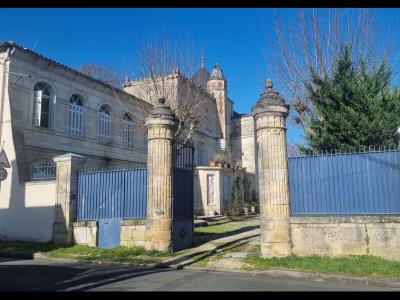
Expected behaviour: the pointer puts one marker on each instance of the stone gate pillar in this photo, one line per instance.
(66, 190)
(161, 126)
(270, 114)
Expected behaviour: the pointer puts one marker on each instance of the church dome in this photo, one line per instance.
(217, 73)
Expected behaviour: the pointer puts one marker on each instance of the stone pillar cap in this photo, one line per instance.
(162, 111)
(269, 98)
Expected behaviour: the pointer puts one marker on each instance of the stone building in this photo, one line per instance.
(224, 136)
(49, 109)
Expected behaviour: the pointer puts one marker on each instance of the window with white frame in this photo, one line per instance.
(127, 130)
(210, 190)
(105, 124)
(42, 105)
(75, 126)
(43, 170)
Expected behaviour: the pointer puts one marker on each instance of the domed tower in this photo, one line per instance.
(218, 86)
(201, 77)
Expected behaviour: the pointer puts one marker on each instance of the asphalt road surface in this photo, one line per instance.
(43, 275)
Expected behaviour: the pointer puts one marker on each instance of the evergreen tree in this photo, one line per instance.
(354, 107)
(234, 207)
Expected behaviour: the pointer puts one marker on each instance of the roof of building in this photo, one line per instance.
(216, 73)
(5, 45)
(201, 77)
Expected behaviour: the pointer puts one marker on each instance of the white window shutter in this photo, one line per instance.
(53, 113)
(37, 108)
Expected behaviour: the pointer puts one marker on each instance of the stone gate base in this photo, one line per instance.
(346, 235)
(85, 233)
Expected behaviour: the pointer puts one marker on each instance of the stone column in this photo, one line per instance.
(161, 126)
(66, 190)
(270, 114)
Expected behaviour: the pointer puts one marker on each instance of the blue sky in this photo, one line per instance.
(234, 38)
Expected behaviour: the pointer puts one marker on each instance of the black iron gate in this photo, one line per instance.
(183, 179)
(183, 195)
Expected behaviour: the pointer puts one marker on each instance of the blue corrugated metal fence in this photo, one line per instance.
(345, 184)
(112, 194)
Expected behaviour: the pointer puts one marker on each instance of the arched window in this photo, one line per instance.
(105, 124)
(43, 170)
(43, 96)
(75, 115)
(127, 130)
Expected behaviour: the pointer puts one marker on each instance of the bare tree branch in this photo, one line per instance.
(165, 70)
(313, 39)
(105, 73)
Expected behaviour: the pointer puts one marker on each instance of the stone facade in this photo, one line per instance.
(346, 235)
(204, 203)
(222, 182)
(133, 233)
(38, 143)
(27, 144)
(243, 143)
(221, 132)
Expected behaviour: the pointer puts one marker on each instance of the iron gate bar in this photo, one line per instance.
(183, 179)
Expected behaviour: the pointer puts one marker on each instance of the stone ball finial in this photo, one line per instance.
(161, 100)
(268, 84)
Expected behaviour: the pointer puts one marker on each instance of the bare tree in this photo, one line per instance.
(165, 69)
(105, 73)
(314, 39)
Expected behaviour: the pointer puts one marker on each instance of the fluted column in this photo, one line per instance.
(161, 126)
(270, 114)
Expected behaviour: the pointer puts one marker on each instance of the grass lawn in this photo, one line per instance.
(223, 228)
(352, 265)
(137, 255)
(28, 247)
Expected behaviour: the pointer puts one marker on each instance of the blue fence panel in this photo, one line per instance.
(113, 194)
(345, 184)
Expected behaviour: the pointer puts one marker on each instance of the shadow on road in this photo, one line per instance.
(66, 278)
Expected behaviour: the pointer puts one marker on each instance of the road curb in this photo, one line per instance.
(275, 273)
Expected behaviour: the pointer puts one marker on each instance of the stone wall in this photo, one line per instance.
(243, 143)
(86, 233)
(133, 233)
(346, 235)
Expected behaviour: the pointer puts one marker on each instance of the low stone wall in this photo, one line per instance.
(346, 235)
(85, 232)
(133, 233)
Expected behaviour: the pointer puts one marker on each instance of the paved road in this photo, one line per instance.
(42, 275)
